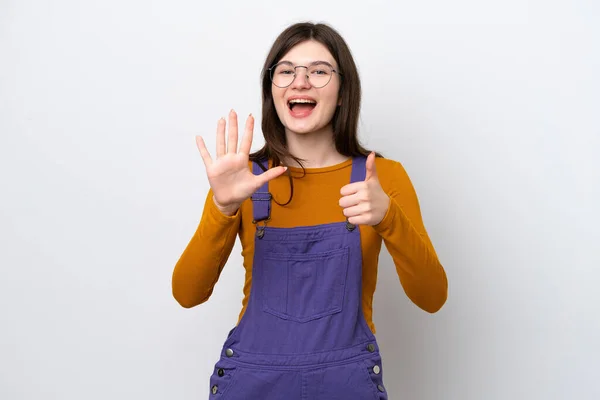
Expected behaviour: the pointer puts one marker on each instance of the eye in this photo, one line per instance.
(321, 70)
(284, 69)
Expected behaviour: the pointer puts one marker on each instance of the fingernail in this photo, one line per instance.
(250, 115)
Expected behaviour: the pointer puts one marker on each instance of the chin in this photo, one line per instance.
(299, 129)
(301, 132)
(303, 126)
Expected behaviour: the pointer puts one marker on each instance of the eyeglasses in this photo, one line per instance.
(318, 73)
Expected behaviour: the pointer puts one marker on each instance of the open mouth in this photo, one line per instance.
(301, 107)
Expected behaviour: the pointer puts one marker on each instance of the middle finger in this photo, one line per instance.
(349, 201)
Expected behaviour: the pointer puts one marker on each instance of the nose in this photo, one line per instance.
(301, 79)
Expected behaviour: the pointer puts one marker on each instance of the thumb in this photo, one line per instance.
(269, 174)
(370, 164)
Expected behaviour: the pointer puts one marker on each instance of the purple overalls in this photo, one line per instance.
(303, 335)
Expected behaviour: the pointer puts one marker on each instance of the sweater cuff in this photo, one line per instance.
(388, 220)
(220, 218)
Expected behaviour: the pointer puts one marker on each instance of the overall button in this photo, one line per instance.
(371, 347)
(220, 372)
(350, 226)
(214, 389)
(376, 369)
(229, 352)
(381, 389)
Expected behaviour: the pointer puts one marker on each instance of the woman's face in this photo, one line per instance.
(301, 107)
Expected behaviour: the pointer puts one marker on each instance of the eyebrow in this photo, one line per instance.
(318, 62)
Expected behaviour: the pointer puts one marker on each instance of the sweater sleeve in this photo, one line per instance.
(421, 274)
(202, 261)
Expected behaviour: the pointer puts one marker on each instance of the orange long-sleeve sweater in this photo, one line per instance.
(315, 201)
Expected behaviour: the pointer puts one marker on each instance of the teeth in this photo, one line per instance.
(294, 101)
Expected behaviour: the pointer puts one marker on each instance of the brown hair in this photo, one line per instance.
(345, 119)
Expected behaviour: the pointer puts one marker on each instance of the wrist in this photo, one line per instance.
(226, 209)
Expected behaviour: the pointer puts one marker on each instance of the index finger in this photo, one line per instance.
(351, 188)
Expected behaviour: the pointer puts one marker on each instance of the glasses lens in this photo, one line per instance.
(282, 75)
(319, 75)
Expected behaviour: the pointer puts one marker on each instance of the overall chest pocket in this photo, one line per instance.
(305, 287)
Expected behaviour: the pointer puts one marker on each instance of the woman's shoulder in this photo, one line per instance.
(391, 173)
(389, 165)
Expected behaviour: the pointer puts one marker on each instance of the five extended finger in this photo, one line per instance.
(269, 174)
(221, 148)
(203, 151)
(232, 139)
(246, 144)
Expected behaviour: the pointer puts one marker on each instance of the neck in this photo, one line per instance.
(317, 149)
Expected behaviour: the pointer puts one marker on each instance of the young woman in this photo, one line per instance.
(311, 208)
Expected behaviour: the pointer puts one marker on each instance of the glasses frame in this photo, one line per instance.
(333, 70)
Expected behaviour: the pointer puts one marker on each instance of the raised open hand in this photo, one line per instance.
(229, 177)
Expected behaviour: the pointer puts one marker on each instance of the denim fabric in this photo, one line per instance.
(303, 335)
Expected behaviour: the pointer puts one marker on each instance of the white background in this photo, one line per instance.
(492, 107)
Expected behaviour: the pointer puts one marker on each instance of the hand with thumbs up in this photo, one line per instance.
(365, 203)
(229, 176)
